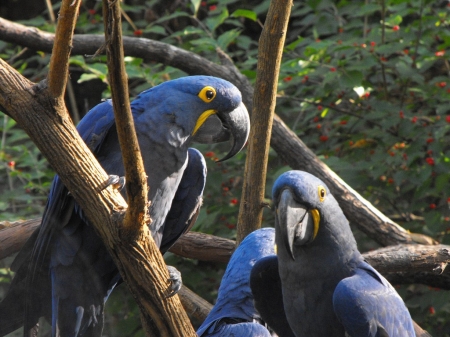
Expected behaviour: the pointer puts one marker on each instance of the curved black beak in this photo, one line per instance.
(293, 222)
(222, 126)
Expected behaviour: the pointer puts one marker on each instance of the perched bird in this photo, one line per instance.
(265, 284)
(65, 270)
(328, 289)
(234, 313)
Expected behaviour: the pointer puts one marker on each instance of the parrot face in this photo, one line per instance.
(206, 110)
(300, 216)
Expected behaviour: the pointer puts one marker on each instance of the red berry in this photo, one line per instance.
(333, 69)
(92, 11)
(305, 78)
(390, 181)
(430, 140)
(431, 310)
(343, 122)
(319, 107)
(318, 126)
(316, 119)
(209, 154)
(212, 7)
(12, 163)
(234, 201)
(402, 115)
(414, 119)
(372, 43)
(137, 32)
(432, 206)
(287, 79)
(447, 119)
(323, 138)
(442, 84)
(396, 28)
(430, 161)
(440, 53)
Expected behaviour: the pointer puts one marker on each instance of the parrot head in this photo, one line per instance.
(303, 205)
(208, 109)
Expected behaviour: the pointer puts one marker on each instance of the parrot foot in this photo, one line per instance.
(175, 281)
(114, 181)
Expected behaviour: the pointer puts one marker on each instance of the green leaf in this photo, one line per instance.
(245, 13)
(226, 38)
(196, 5)
(215, 21)
(87, 77)
(352, 78)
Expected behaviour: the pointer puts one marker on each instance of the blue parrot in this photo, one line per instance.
(64, 272)
(327, 287)
(234, 313)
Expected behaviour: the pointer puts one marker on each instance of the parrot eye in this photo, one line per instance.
(322, 193)
(207, 94)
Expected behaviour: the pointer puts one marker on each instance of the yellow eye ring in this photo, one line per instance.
(207, 94)
(322, 192)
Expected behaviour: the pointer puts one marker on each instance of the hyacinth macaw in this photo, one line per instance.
(327, 287)
(64, 271)
(234, 313)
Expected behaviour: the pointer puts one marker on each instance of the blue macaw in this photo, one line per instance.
(234, 313)
(65, 270)
(328, 289)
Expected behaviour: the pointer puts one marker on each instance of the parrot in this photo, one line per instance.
(327, 287)
(64, 271)
(234, 313)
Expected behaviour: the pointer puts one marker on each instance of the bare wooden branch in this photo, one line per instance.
(398, 263)
(194, 305)
(202, 247)
(406, 258)
(59, 62)
(14, 235)
(163, 323)
(294, 152)
(136, 179)
(270, 52)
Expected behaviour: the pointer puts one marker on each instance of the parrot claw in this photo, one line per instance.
(114, 181)
(175, 281)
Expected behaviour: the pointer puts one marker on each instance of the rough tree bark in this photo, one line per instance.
(270, 52)
(293, 151)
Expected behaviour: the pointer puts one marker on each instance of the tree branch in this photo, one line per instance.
(59, 61)
(136, 179)
(270, 52)
(398, 263)
(291, 149)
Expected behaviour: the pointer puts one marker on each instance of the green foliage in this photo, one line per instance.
(364, 84)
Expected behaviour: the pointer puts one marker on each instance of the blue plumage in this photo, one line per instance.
(234, 313)
(328, 289)
(69, 269)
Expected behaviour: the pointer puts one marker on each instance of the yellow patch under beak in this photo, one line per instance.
(316, 218)
(203, 117)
